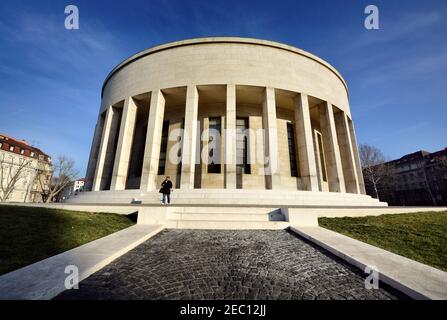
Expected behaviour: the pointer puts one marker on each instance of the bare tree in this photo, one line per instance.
(11, 172)
(63, 174)
(376, 172)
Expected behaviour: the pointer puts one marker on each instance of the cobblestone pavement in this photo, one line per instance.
(224, 264)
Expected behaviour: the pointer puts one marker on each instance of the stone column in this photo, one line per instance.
(102, 149)
(230, 138)
(271, 139)
(346, 153)
(204, 141)
(331, 149)
(153, 142)
(189, 145)
(306, 152)
(122, 156)
(358, 165)
(94, 150)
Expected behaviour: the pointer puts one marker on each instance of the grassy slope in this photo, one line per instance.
(30, 234)
(418, 236)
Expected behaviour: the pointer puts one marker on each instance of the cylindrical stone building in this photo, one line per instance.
(231, 120)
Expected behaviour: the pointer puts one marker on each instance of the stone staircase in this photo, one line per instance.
(227, 209)
(195, 197)
(229, 218)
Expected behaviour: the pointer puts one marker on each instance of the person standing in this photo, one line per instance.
(166, 188)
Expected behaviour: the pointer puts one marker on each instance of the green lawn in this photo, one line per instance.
(31, 234)
(418, 236)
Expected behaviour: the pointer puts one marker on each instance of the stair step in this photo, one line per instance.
(224, 197)
(226, 210)
(227, 225)
(225, 216)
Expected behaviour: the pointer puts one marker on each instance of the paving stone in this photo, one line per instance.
(227, 264)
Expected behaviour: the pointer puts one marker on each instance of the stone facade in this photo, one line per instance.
(225, 113)
(71, 190)
(25, 171)
(418, 179)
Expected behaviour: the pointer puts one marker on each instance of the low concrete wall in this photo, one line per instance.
(300, 217)
(308, 216)
(362, 212)
(153, 215)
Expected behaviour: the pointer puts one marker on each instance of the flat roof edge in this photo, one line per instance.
(197, 41)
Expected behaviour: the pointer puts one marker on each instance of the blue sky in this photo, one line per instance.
(50, 78)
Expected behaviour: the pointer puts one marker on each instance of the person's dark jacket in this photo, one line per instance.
(166, 187)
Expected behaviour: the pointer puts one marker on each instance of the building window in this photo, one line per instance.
(22, 151)
(292, 150)
(1, 145)
(11, 148)
(214, 145)
(32, 154)
(163, 148)
(242, 163)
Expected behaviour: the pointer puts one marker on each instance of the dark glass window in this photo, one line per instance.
(163, 148)
(214, 145)
(292, 150)
(242, 163)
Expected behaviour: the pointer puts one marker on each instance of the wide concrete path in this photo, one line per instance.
(224, 264)
(46, 279)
